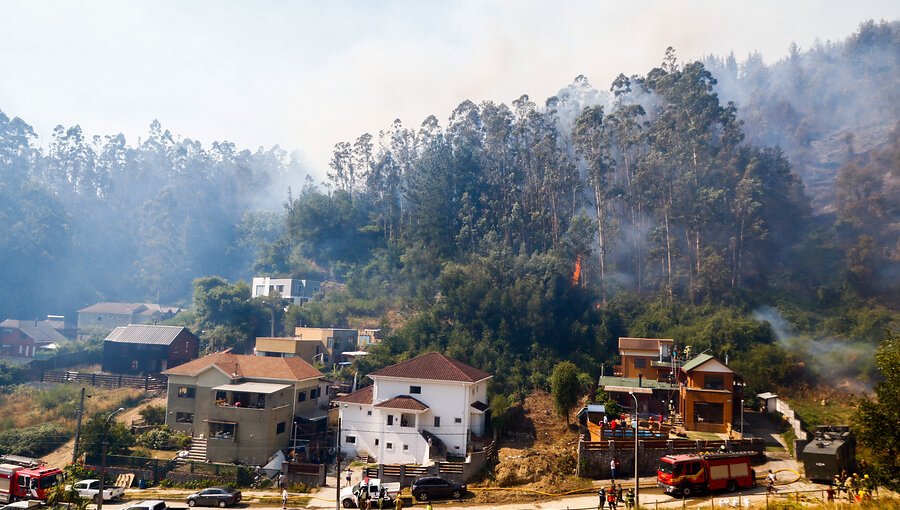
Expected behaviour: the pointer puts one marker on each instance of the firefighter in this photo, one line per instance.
(602, 495)
(629, 499)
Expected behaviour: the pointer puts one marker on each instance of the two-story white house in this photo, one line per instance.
(415, 412)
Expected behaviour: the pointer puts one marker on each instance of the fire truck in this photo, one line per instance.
(32, 482)
(705, 472)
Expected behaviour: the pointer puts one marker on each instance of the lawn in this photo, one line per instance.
(823, 407)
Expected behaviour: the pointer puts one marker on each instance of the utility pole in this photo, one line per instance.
(103, 456)
(337, 471)
(637, 480)
(78, 414)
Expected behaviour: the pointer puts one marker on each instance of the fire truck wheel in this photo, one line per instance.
(687, 491)
(732, 486)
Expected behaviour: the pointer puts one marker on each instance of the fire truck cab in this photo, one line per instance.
(689, 474)
(17, 482)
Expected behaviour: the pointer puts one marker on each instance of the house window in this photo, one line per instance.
(134, 364)
(279, 429)
(389, 446)
(390, 419)
(457, 420)
(415, 390)
(314, 393)
(351, 439)
(260, 290)
(220, 430)
(713, 382)
(279, 289)
(184, 417)
(640, 363)
(301, 397)
(708, 412)
(369, 412)
(186, 392)
(405, 447)
(437, 421)
(376, 441)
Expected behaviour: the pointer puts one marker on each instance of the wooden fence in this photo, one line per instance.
(148, 382)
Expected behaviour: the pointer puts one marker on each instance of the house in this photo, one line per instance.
(298, 291)
(106, 316)
(369, 337)
(25, 339)
(243, 408)
(416, 412)
(645, 370)
(710, 392)
(314, 345)
(63, 327)
(145, 348)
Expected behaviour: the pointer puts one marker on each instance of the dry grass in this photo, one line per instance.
(28, 406)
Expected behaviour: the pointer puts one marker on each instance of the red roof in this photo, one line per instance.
(403, 402)
(241, 365)
(433, 366)
(360, 396)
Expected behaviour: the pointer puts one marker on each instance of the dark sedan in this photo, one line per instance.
(214, 496)
(435, 487)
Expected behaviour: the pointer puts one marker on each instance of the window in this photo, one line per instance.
(314, 393)
(279, 429)
(437, 421)
(369, 413)
(134, 363)
(389, 446)
(405, 447)
(301, 397)
(390, 419)
(415, 390)
(279, 289)
(186, 392)
(457, 420)
(713, 382)
(351, 439)
(640, 363)
(376, 441)
(260, 290)
(184, 417)
(707, 412)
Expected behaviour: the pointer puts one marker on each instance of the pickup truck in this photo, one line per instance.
(90, 489)
(350, 496)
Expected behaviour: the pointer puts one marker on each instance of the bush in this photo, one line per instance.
(153, 415)
(33, 441)
(164, 439)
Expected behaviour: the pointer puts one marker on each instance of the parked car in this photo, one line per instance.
(90, 489)
(214, 496)
(435, 487)
(153, 504)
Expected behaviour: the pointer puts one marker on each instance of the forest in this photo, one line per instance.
(511, 236)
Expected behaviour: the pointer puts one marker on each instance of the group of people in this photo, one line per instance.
(855, 487)
(612, 496)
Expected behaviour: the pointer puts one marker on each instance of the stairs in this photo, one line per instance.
(198, 449)
(437, 449)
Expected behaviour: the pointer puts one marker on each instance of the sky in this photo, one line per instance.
(307, 75)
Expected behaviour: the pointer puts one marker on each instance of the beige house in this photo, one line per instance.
(242, 407)
(711, 393)
(321, 346)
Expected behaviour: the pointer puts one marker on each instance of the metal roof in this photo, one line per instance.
(696, 362)
(253, 387)
(632, 382)
(145, 334)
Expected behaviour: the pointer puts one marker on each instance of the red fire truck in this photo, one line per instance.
(18, 482)
(688, 474)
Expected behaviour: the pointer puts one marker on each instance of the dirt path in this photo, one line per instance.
(63, 455)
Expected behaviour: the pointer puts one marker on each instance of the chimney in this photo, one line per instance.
(640, 380)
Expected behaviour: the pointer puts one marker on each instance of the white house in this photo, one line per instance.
(417, 411)
(298, 291)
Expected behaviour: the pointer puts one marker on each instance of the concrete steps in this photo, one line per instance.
(198, 449)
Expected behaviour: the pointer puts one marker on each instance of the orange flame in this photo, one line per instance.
(576, 276)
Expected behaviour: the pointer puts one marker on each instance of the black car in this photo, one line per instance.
(435, 487)
(215, 496)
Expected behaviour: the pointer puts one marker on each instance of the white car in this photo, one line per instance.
(23, 505)
(90, 489)
(153, 504)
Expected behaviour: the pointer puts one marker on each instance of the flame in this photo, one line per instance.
(576, 276)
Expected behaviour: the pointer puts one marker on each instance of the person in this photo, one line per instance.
(349, 474)
(363, 497)
(605, 420)
(284, 496)
(770, 481)
(629, 499)
(601, 494)
(612, 468)
(381, 496)
(829, 492)
(611, 497)
(428, 506)
(398, 503)
(619, 494)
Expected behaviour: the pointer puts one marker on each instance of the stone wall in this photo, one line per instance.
(594, 458)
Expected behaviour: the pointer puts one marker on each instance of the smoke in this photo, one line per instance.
(840, 363)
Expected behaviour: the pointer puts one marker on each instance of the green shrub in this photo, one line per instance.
(153, 415)
(156, 439)
(33, 441)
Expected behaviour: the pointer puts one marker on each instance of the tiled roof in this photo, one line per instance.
(643, 344)
(696, 362)
(403, 402)
(360, 396)
(40, 332)
(433, 366)
(145, 334)
(241, 365)
(113, 308)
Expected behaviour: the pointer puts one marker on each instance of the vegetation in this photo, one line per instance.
(153, 414)
(878, 421)
(565, 388)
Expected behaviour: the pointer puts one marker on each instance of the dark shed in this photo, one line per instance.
(148, 349)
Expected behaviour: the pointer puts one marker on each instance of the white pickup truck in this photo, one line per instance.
(90, 489)
(371, 488)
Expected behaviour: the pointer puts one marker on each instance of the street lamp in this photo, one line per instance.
(637, 484)
(103, 457)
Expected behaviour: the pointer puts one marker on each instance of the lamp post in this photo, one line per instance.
(637, 498)
(742, 418)
(103, 456)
